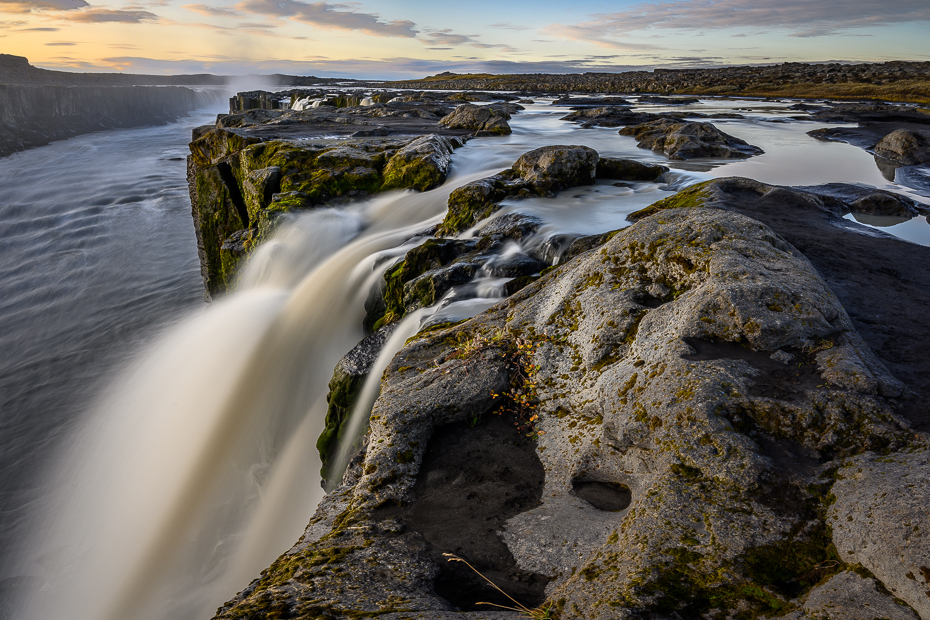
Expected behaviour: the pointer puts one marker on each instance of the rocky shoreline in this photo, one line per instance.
(717, 412)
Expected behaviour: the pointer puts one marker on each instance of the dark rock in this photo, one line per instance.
(609, 117)
(512, 266)
(478, 118)
(904, 147)
(685, 140)
(580, 102)
(628, 170)
(368, 133)
(561, 166)
(515, 226)
(668, 100)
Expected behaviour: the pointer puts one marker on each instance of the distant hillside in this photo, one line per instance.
(17, 70)
(890, 81)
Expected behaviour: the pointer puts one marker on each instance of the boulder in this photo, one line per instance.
(422, 164)
(561, 166)
(689, 140)
(620, 169)
(905, 147)
(879, 520)
(609, 116)
(478, 118)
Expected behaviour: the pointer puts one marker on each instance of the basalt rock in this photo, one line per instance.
(488, 119)
(609, 117)
(240, 180)
(689, 140)
(539, 172)
(619, 169)
(422, 164)
(906, 148)
(686, 469)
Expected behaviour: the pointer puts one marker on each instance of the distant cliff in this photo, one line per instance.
(36, 115)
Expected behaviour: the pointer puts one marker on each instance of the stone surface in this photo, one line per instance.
(689, 140)
(849, 596)
(489, 119)
(616, 168)
(566, 166)
(904, 147)
(422, 164)
(641, 366)
(880, 520)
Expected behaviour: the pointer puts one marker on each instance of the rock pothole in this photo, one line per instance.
(607, 496)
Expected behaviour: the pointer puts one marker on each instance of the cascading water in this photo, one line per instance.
(199, 466)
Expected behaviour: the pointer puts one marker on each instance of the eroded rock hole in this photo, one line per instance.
(607, 496)
(473, 479)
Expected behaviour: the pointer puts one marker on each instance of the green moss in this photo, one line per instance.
(420, 174)
(690, 197)
(343, 394)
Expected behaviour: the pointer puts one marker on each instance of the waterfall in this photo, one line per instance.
(198, 466)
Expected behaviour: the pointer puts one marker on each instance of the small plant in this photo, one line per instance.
(474, 419)
(521, 399)
(539, 613)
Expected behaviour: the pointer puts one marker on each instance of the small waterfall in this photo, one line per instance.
(199, 467)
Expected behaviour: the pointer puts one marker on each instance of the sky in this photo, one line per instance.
(395, 40)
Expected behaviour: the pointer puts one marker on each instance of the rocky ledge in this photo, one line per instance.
(713, 413)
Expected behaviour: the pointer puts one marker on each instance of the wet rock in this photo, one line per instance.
(540, 172)
(344, 388)
(687, 140)
(512, 266)
(609, 117)
(668, 100)
(516, 226)
(561, 166)
(880, 521)
(628, 169)
(591, 101)
(870, 113)
(478, 118)
(551, 250)
(368, 133)
(851, 597)
(904, 147)
(422, 164)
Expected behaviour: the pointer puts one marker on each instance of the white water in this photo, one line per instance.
(198, 467)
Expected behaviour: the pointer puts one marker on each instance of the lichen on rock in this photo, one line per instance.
(680, 140)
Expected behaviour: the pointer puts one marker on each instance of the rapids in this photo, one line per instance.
(176, 443)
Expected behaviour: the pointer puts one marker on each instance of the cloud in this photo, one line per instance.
(508, 26)
(806, 18)
(29, 6)
(446, 39)
(213, 11)
(100, 16)
(61, 44)
(329, 16)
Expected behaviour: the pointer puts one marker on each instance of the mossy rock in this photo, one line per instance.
(688, 198)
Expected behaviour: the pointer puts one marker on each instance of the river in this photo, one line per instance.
(156, 453)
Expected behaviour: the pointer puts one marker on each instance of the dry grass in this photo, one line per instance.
(539, 613)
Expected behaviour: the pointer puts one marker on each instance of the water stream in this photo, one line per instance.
(181, 464)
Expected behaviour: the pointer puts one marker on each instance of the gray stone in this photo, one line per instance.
(880, 520)
(847, 596)
(565, 165)
(478, 118)
(688, 140)
(905, 147)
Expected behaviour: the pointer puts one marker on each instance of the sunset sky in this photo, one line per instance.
(384, 38)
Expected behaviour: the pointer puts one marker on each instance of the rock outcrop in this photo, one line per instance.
(33, 116)
(488, 120)
(242, 183)
(690, 387)
(689, 140)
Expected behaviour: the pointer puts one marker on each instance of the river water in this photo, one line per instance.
(155, 453)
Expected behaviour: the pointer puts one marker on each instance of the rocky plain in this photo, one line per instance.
(716, 412)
